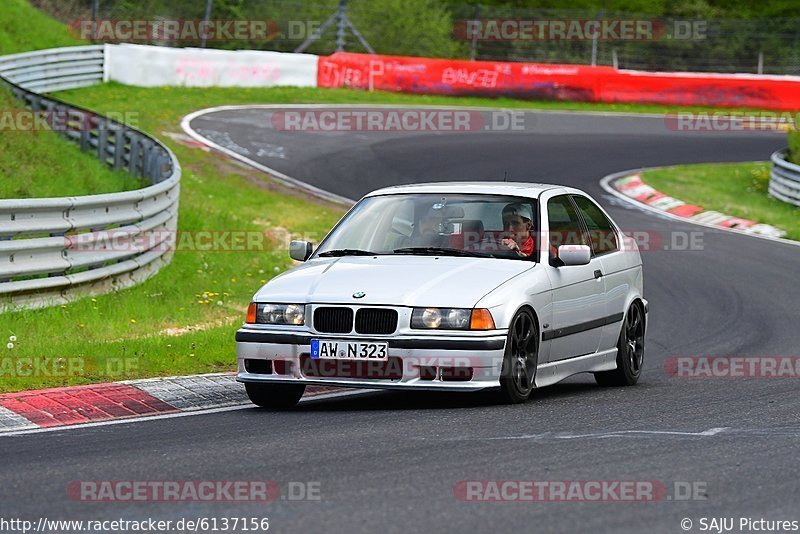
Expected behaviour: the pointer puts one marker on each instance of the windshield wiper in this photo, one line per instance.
(441, 251)
(346, 252)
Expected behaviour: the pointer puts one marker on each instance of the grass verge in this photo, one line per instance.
(794, 147)
(738, 189)
(24, 28)
(39, 163)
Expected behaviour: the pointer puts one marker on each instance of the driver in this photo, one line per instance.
(517, 225)
(427, 232)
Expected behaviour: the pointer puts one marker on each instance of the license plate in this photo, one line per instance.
(349, 350)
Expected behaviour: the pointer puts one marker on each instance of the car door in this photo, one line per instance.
(618, 269)
(578, 291)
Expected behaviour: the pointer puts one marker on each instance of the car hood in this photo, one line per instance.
(393, 280)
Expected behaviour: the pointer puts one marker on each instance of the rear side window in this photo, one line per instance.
(565, 225)
(601, 231)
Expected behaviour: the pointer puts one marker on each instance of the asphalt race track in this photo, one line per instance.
(389, 461)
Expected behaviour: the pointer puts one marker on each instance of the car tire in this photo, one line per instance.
(276, 396)
(630, 351)
(518, 376)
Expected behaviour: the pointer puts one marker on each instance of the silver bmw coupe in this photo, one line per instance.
(451, 286)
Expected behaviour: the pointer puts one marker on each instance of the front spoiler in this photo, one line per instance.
(483, 354)
(417, 384)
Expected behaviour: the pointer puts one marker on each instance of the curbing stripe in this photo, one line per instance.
(132, 399)
(196, 392)
(13, 421)
(69, 406)
(633, 187)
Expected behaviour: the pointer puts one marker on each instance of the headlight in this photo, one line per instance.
(291, 314)
(458, 318)
(451, 319)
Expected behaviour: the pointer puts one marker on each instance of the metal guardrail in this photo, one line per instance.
(784, 179)
(54, 249)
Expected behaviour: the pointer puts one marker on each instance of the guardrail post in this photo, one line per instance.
(146, 149)
(133, 155)
(119, 146)
(102, 141)
(85, 129)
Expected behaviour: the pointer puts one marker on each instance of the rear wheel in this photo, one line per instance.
(630, 351)
(274, 395)
(518, 376)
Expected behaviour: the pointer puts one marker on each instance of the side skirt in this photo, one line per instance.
(553, 372)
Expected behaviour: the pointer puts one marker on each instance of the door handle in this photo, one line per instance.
(598, 274)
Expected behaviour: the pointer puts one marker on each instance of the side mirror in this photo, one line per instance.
(574, 254)
(300, 250)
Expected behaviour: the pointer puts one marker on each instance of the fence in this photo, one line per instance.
(784, 180)
(39, 264)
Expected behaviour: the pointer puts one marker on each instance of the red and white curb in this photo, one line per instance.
(631, 187)
(99, 403)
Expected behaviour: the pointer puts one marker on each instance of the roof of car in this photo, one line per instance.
(487, 188)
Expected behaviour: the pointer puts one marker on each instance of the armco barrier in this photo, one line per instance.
(39, 262)
(556, 82)
(784, 180)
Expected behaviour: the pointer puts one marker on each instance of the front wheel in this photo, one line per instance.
(518, 376)
(280, 396)
(630, 351)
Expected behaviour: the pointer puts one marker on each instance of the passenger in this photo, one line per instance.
(517, 225)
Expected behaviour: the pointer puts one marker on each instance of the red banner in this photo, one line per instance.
(542, 81)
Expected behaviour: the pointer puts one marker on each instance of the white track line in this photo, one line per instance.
(284, 178)
(322, 193)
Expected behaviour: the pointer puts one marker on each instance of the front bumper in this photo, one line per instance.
(415, 362)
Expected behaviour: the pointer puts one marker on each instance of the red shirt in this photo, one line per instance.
(528, 246)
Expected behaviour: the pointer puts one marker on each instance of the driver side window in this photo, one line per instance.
(601, 231)
(565, 225)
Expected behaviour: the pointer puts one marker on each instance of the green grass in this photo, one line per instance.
(738, 189)
(40, 163)
(113, 97)
(24, 28)
(794, 147)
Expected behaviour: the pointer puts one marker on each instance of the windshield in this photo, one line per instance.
(437, 224)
